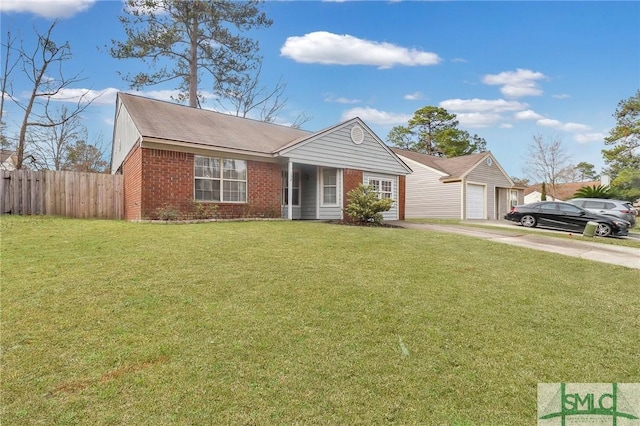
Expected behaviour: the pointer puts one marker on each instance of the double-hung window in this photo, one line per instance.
(220, 179)
(383, 187)
(329, 187)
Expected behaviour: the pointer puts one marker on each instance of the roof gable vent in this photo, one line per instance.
(357, 135)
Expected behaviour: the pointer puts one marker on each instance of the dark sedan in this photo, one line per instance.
(565, 216)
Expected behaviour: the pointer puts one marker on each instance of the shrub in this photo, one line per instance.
(204, 210)
(168, 213)
(365, 206)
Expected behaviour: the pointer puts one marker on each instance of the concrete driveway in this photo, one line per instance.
(503, 232)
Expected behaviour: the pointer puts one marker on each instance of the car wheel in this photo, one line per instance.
(528, 221)
(603, 230)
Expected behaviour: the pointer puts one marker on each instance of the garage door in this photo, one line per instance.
(475, 201)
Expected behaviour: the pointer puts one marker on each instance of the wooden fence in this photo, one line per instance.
(70, 194)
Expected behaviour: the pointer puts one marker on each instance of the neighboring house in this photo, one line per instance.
(467, 187)
(562, 191)
(173, 156)
(8, 160)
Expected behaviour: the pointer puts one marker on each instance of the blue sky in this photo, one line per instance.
(509, 70)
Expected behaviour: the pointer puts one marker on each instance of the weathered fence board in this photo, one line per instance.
(70, 194)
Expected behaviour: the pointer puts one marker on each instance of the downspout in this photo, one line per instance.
(290, 190)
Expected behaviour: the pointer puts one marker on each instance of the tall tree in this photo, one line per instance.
(195, 37)
(84, 157)
(627, 184)
(434, 131)
(578, 173)
(249, 97)
(43, 68)
(51, 144)
(546, 161)
(624, 138)
(5, 87)
(586, 171)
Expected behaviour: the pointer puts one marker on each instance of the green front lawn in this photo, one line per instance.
(264, 323)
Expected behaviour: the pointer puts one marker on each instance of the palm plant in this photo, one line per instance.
(594, 191)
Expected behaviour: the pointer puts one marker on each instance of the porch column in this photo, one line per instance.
(290, 190)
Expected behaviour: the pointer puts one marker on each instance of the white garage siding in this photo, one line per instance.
(427, 197)
(475, 201)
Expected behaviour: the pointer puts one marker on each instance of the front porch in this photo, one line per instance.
(319, 193)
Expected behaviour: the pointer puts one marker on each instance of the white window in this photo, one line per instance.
(220, 179)
(384, 187)
(296, 189)
(330, 187)
(513, 198)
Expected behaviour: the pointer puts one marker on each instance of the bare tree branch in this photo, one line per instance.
(546, 161)
(43, 67)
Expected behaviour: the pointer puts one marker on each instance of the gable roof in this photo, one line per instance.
(564, 191)
(455, 167)
(165, 122)
(172, 122)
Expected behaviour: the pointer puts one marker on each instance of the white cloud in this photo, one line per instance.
(47, 8)
(567, 127)
(415, 96)
(583, 138)
(341, 100)
(370, 115)
(323, 47)
(99, 97)
(516, 83)
(527, 115)
(108, 96)
(478, 119)
(161, 95)
(561, 96)
(479, 105)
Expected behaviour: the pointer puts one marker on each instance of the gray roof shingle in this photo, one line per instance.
(455, 167)
(173, 122)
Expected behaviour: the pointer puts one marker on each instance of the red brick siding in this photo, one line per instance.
(159, 180)
(351, 180)
(402, 184)
(132, 177)
(167, 182)
(264, 188)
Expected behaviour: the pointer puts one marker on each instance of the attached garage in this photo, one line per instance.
(471, 186)
(475, 201)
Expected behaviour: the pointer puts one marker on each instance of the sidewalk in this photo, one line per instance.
(607, 253)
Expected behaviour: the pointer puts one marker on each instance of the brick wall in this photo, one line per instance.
(132, 174)
(264, 188)
(167, 182)
(351, 180)
(160, 182)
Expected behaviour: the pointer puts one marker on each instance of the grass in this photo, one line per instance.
(107, 322)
